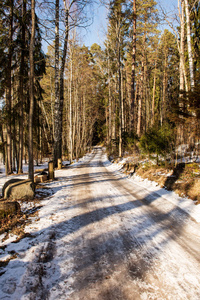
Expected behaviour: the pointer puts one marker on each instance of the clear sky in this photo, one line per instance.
(96, 32)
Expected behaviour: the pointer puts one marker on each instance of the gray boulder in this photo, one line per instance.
(8, 183)
(19, 190)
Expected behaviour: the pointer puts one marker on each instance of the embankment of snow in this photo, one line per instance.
(184, 203)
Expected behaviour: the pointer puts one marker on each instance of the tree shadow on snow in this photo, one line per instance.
(98, 258)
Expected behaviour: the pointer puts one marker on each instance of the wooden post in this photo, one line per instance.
(51, 170)
(59, 163)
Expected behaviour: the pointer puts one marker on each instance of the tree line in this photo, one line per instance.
(141, 89)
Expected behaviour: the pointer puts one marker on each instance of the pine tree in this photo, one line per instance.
(118, 21)
(31, 83)
(146, 31)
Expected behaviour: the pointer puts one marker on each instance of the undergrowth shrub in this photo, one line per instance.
(157, 140)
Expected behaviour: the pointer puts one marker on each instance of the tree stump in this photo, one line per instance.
(59, 163)
(51, 170)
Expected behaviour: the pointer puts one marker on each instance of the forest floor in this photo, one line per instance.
(94, 233)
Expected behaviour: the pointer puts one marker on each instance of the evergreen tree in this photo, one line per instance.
(118, 30)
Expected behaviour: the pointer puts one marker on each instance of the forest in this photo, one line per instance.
(99, 149)
(138, 93)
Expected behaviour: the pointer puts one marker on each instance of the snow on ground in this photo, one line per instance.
(30, 250)
(60, 225)
(184, 203)
(4, 178)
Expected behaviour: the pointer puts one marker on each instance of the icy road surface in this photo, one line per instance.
(100, 236)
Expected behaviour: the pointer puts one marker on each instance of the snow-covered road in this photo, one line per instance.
(102, 236)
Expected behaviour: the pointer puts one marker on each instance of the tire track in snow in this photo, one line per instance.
(107, 249)
(111, 240)
(125, 251)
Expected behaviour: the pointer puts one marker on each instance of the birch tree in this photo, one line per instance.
(73, 16)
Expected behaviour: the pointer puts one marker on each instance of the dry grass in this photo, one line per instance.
(10, 222)
(194, 191)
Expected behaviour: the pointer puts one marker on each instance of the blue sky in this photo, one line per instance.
(96, 32)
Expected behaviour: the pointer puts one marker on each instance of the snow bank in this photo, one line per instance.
(184, 203)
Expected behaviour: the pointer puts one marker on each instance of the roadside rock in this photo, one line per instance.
(20, 189)
(8, 183)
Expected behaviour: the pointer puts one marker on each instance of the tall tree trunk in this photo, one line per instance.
(114, 130)
(70, 111)
(46, 136)
(183, 76)
(154, 91)
(122, 99)
(84, 121)
(2, 141)
(120, 93)
(8, 92)
(14, 148)
(57, 136)
(182, 46)
(191, 67)
(41, 105)
(109, 105)
(139, 122)
(41, 145)
(52, 109)
(62, 70)
(145, 108)
(21, 89)
(133, 63)
(164, 86)
(31, 87)
(77, 118)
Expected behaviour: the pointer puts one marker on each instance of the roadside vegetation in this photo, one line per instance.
(155, 158)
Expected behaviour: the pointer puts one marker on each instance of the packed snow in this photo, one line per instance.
(101, 235)
(186, 204)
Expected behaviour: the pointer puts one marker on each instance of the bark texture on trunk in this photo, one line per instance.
(31, 87)
(154, 92)
(181, 48)
(8, 93)
(133, 63)
(57, 137)
(119, 86)
(190, 56)
(21, 90)
(141, 92)
(62, 70)
(70, 112)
